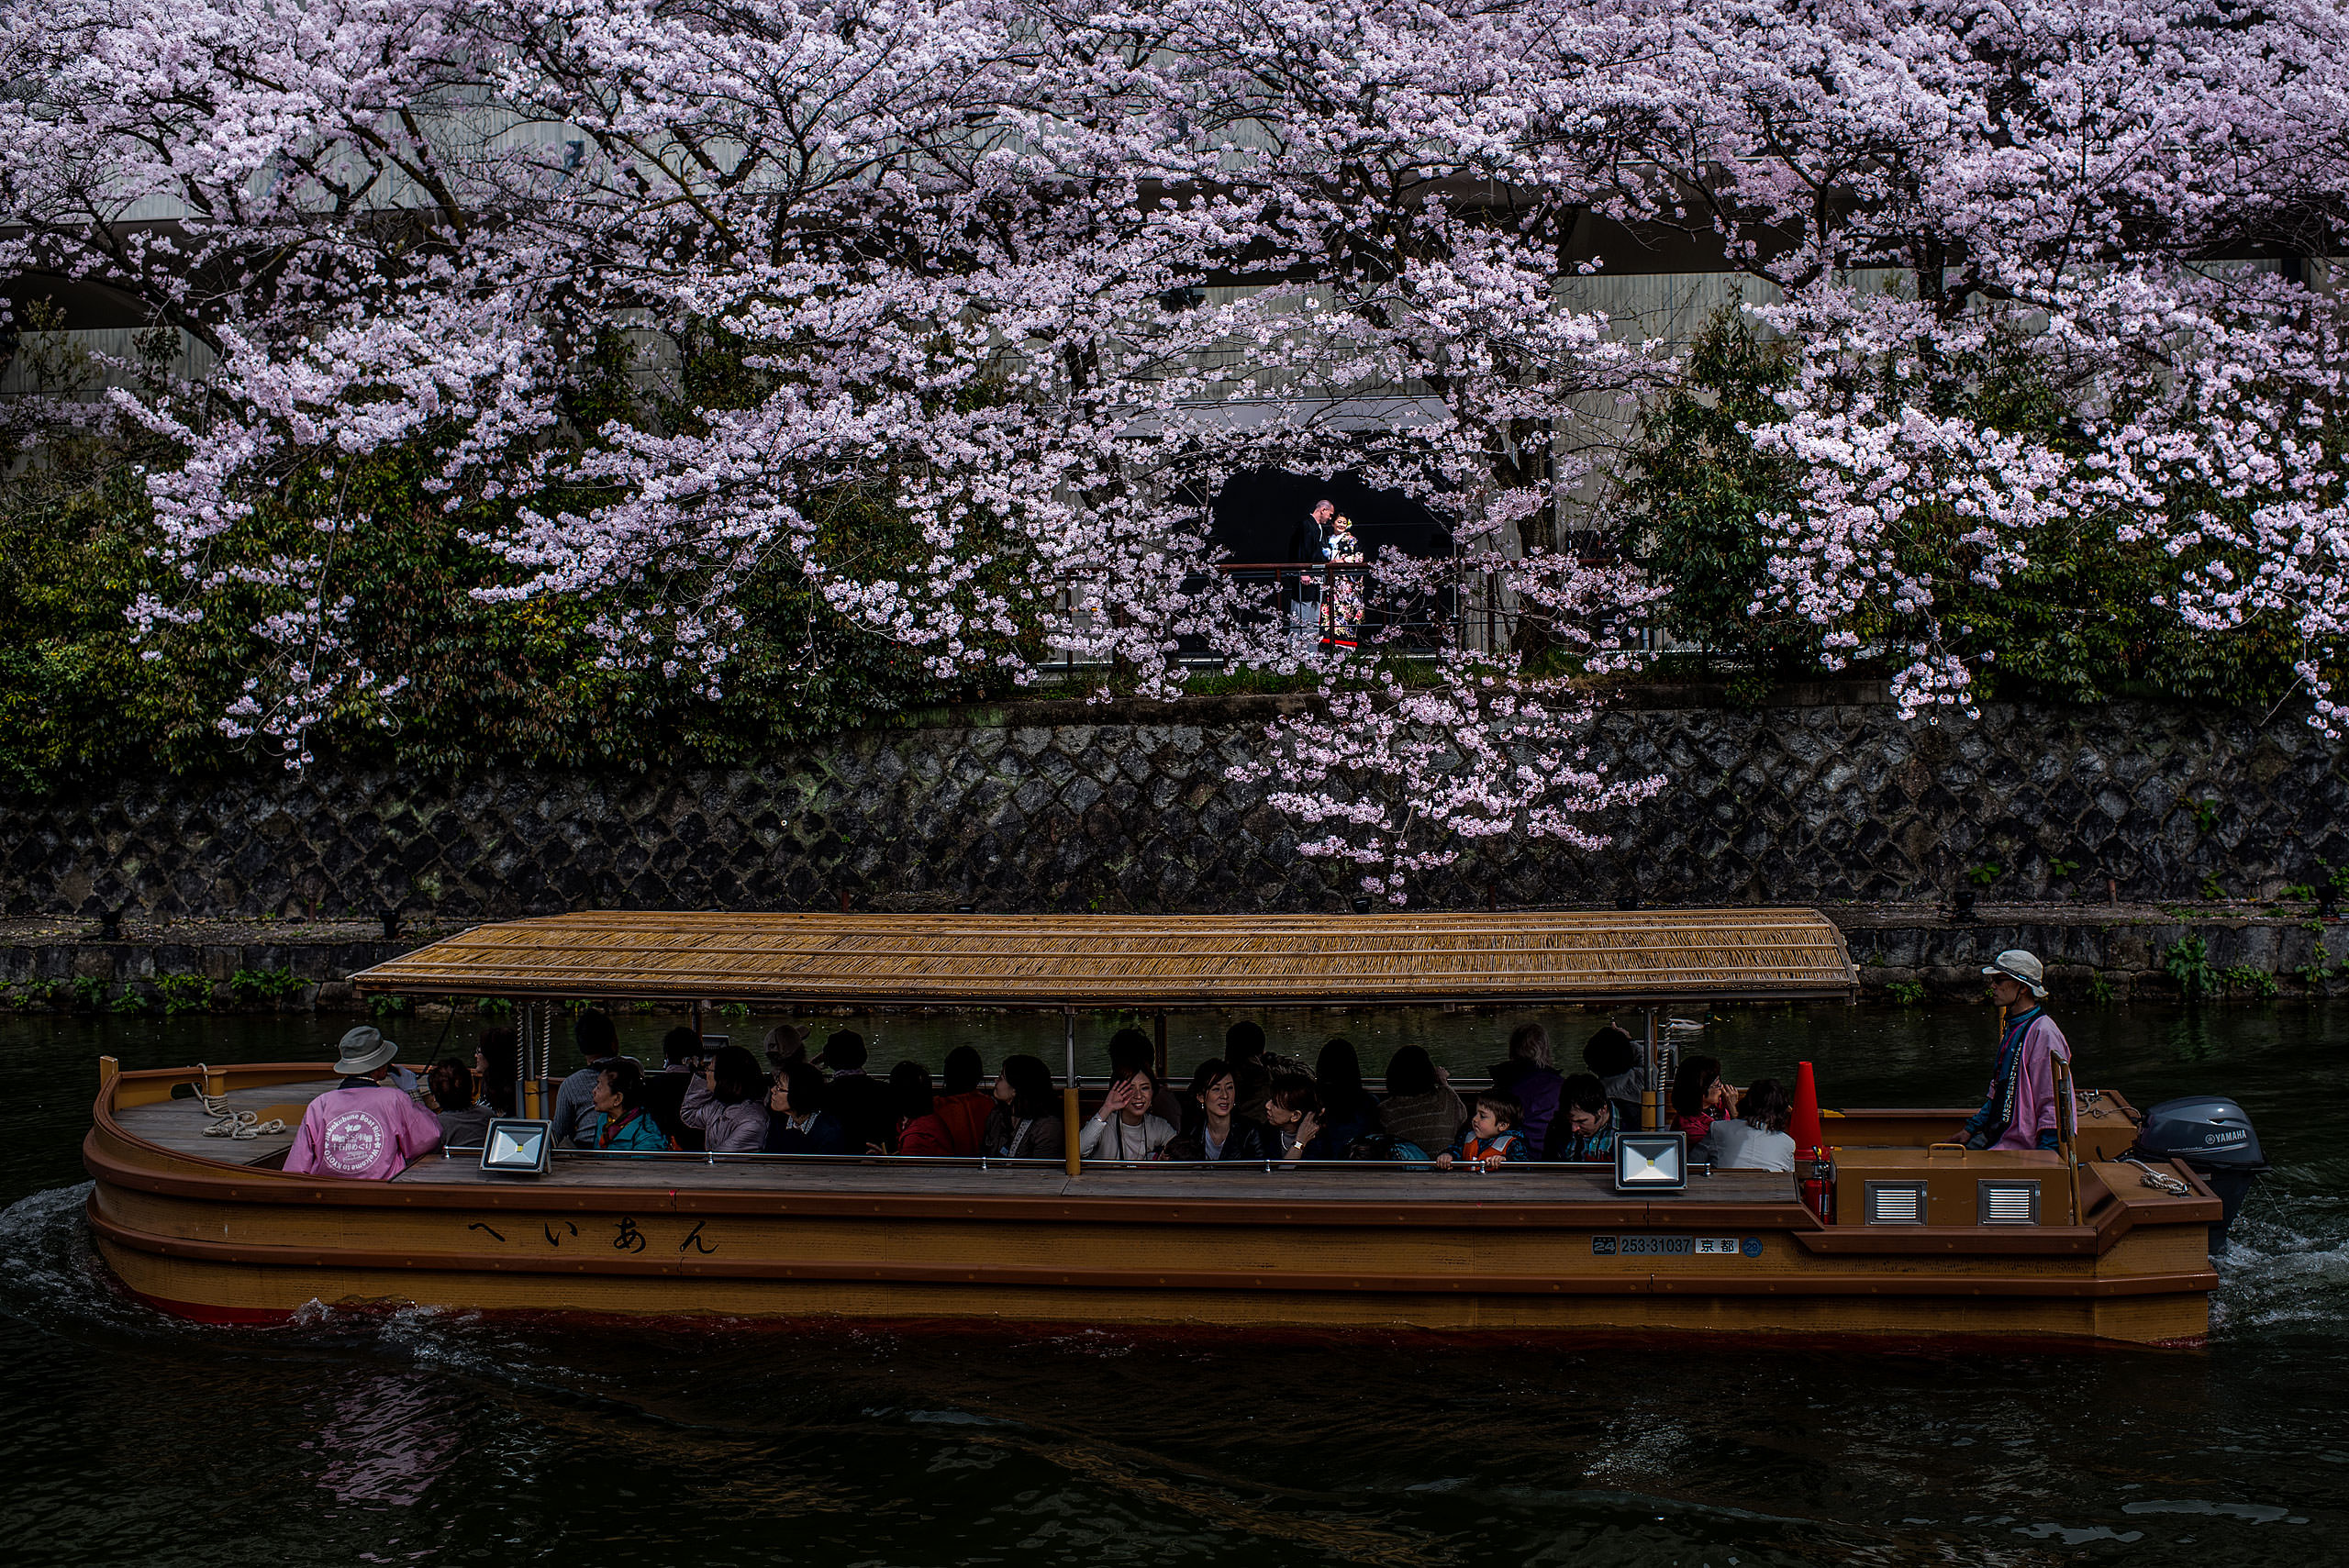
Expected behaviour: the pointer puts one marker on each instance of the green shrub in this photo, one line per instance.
(2251, 981)
(30, 993)
(89, 993)
(1907, 992)
(184, 993)
(132, 1000)
(2187, 962)
(255, 987)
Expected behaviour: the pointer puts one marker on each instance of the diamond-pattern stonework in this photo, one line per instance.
(1125, 807)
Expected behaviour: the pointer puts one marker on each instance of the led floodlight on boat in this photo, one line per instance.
(518, 1148)
(1651, 1161)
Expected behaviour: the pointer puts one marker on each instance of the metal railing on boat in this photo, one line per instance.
(1697, 1166)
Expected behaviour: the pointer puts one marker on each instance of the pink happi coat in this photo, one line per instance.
(2035, 1088)
(369, 1135)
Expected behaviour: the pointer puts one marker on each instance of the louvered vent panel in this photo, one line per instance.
(2009, 1202)
(1895, 1203)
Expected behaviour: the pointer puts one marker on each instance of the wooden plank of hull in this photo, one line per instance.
(272, 1259)
(249, 1293)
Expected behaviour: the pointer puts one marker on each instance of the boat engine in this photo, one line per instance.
(2215, 1140)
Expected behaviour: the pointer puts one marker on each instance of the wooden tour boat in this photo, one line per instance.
(1898, 1234)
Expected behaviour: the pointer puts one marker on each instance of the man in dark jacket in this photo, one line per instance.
(574, 1102)
(665, 1092)
(1528, 1076)
(860, 1102)
(1308, 545)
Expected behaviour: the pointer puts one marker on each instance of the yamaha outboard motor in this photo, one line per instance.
(2213, 1138)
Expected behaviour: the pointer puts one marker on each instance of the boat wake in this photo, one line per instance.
(51, 1277)
(2287, 1265)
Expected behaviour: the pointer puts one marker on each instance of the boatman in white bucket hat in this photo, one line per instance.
(2020, 1110)
(366, 1130)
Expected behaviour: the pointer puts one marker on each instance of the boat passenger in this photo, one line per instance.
(1420, 1107)
(1348, 1111)
(918, 1129)
(797, 1122)
(621, 1119)
(1700, 1097)
(1293, 1113)
(665, 1092)
(464, 1121)
(1243, 1052)
(861, 1101)
(1584, 1130)
(365, 1129)
(494, 1072)
(784, 1044)
(964, 1107)
(1615, 1062)
(1026, 1122)
(1492, 1138)
(2020, 1110)
(1528, 1077)
(1755, 1139)
(1131, 1052)
(599, 1044)
(1125, 1127)
(1217, 1132)
(724, 1103)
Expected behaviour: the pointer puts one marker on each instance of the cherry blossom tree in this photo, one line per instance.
(999, 294)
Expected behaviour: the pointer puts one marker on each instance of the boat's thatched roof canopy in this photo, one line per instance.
(1137, 961)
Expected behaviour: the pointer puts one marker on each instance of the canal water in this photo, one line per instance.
(129, 1438)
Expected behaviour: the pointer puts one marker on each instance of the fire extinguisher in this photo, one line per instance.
(1819, 1187)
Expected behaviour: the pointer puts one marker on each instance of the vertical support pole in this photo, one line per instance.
(2067, 1128)
(526, 1062)
(1160, 1043)
(110, 1069)
(1070, 1127)
(696, 1018)
(1651, 1099)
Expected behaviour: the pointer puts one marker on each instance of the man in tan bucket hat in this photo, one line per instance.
(2020, 1110)
(366, 1129)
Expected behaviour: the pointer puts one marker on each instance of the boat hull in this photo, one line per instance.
(1360, 1248)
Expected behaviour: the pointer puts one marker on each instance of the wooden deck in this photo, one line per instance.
(178, 1125)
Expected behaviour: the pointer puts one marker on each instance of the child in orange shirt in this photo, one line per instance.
(1492, 1138)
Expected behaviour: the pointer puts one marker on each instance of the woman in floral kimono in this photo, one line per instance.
(1341, 605)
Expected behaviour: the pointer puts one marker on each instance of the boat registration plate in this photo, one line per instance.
(1675, 1247)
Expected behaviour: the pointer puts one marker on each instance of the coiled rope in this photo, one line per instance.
(230, 1123)
(2157, 1180)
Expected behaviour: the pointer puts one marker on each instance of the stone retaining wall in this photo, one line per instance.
(1069, 808)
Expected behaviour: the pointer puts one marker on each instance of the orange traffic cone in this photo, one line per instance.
(1805, 1122)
